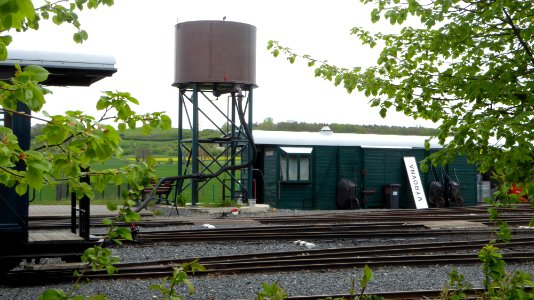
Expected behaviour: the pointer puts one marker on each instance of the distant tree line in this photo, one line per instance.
(268, 124)
(163, 143)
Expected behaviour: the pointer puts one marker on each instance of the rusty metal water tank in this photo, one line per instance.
(215, 54)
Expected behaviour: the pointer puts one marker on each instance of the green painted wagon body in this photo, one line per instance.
(302, 170)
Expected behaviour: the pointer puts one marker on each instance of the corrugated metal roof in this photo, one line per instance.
(287, 138)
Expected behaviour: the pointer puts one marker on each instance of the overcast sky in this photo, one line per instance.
(140, 35)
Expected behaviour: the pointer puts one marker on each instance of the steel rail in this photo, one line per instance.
(310, 232)
(388, 218)
(475, 293)
(306, 227)
(38, 225)
(386, 250)
(231, 267)
(97, 222)
(394, 295)
(518, 216)
(459, 213)
(301, 260)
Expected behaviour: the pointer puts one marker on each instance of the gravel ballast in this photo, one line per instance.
(246, 286)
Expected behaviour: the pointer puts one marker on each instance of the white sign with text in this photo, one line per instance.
(415, 182)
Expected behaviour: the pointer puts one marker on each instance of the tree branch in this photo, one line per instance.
(57, 145)
(104, 115)
(517, 33)
(50, 5)
(23, 114)
(11, 172)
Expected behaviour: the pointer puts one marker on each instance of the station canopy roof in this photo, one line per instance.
(286, 138)
(66, 69)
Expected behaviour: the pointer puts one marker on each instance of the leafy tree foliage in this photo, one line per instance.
(467, 65)
(22, 15)
(66, 144)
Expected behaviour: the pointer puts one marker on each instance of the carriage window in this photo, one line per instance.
(295, 164)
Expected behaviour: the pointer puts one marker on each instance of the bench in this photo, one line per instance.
(162, 192)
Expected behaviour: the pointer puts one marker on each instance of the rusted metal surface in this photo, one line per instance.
(215, 54)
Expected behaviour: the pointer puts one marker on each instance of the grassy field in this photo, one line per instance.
(210, 194)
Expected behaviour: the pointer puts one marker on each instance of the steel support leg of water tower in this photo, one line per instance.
(250, 154)
(194, 147)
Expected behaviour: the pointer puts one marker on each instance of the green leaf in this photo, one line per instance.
(26, 9)
(367, 276)
(84, 35)
(146, 129)
(131, 123)
(77, 38)
(124, 233)
(53, 294)
(166, 122)
(3, 51)
(190, 286)
(37, 73)
(292, 59)
(504, 234)
(118, 180)
(103, 103)
(383, 112)
(34, 177)
(107, 221)
(110, 269)
(21, 188)
(375, 15)
(132, 216)
(111, 206)
(7, 21)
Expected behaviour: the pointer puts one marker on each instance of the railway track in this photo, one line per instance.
(398, 295)
(512, 220)
(357, 225)
(321, 231)
(516, 217)
(57, 223)
(420, 254)
(520, 216)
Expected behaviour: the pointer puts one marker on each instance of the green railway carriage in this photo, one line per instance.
(308, 170)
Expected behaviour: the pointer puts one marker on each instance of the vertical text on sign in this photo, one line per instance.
(415, 182)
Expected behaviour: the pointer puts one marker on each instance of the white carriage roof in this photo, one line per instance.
(59, 59)
(66, 69)
(286, 138)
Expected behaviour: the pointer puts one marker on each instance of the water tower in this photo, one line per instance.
(215, 72)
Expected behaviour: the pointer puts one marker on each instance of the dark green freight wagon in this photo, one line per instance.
(326, 170)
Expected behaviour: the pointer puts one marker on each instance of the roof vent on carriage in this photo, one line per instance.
(326, 130)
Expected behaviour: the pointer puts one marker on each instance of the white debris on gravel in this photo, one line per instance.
(247, 285)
